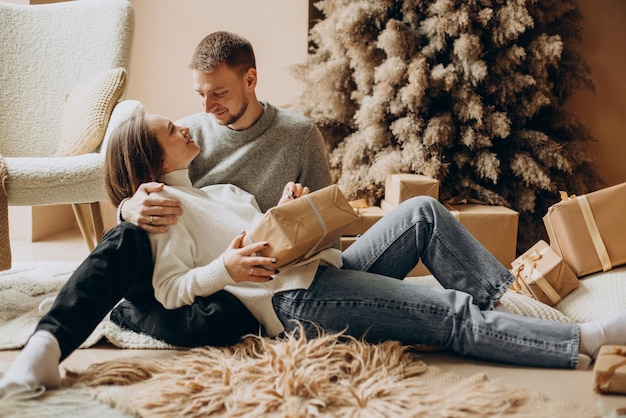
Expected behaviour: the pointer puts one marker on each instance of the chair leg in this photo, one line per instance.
(93, 229)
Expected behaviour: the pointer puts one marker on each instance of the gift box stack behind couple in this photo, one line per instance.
(186, 191)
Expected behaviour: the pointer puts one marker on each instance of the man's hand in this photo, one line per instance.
(293, 191)
(149, 212)
(244, 265)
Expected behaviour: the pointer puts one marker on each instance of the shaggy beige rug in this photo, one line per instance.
(331, 376)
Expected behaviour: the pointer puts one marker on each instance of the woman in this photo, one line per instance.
(361, 290)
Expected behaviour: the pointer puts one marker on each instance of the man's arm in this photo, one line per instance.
(150, 212)
(315, 170)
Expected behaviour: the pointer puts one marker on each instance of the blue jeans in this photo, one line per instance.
(368, 297)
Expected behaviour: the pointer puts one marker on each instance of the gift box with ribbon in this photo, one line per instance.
(403, 186)
(588, 231)
(495, 227)
(300, 228)
(609, 370)
(542, 274)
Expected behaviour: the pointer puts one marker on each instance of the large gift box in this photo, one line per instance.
(367, 217)
(495, 227)
(403, 186)
(609, 370)
(542, 274)
(300, 228)
(589, 231)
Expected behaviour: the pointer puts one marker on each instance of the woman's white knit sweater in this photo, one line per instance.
(188, 257)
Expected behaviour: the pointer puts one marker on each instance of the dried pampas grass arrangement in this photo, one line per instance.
(471, 93)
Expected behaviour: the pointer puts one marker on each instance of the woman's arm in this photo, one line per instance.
(177, 281)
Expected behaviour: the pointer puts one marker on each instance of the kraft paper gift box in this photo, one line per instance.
(543, 275)
(367, 216)
(345, 242)
(495, 227)
(300, 228)
(589, 231)
(609, 370)
(403, 186)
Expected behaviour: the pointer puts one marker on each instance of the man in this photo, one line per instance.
(246, 142)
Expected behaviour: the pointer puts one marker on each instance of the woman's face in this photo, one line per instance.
(178, 147)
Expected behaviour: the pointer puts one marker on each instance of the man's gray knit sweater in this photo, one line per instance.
(281, 146)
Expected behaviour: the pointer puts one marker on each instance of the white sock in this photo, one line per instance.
(606, 331)
(35, 366)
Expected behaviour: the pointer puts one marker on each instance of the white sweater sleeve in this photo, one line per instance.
(177, 281)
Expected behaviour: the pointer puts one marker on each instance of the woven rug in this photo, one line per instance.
(331, 376)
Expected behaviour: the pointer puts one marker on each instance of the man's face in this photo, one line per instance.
(224, 93)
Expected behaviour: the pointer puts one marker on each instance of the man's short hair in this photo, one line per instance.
(218, 47)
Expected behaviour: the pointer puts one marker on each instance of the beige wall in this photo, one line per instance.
(604, 112)
(167, 32)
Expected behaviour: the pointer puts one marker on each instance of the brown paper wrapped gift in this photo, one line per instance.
(368, 216)
(300, 228)
(588, 231)
(403, 186)
(495, 227)
(346, 241)
(542, 274)
(609, 370)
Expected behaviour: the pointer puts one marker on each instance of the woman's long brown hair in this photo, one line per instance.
(133, 157)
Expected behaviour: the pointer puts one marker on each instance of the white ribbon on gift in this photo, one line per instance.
(322, 223)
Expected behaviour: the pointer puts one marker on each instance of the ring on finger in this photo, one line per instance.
(150, 220)
(251, 272)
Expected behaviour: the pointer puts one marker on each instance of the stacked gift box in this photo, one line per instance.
(398, 188)
(495, 227)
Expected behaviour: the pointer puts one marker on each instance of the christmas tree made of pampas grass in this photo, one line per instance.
(468, 92)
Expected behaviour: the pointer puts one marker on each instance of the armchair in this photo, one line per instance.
(63, 73)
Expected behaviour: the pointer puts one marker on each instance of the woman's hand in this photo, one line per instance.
(243, 265)
(293, 191)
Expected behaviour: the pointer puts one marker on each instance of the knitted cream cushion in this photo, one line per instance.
(599, 295)
(87, 111)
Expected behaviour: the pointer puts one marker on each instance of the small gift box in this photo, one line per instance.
(609, 370)
(542, 274)
(403, 186)
(588, 231)
(302, 227)
(368, 216)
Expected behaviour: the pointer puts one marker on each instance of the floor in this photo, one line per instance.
(567, 385)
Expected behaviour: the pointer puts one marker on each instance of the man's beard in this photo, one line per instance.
(241, 112)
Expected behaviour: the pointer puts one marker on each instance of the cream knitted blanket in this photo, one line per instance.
(26, 285)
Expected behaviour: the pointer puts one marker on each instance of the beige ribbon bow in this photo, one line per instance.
(526, 273)
(602, 380)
